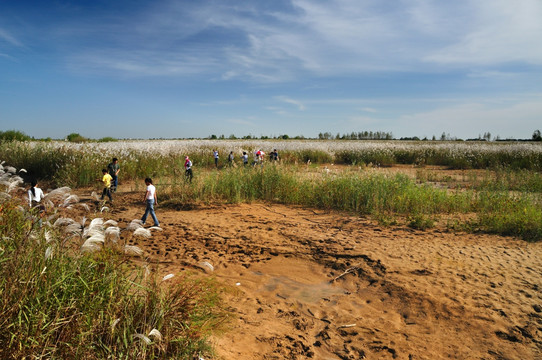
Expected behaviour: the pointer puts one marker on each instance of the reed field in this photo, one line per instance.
(83, 298)
(505, 197)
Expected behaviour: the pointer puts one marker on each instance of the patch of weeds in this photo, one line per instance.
(421, 222)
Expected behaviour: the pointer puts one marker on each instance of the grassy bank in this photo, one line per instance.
(57, 302)
(362, 192)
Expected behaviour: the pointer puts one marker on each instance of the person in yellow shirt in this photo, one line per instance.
(106, 179)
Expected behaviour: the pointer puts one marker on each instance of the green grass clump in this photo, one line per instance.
(57, 303)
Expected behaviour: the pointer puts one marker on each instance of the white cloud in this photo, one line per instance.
(10, 39)
(296, 103)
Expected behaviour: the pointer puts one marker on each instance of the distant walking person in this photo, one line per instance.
(230, 158)
(274, 155)
(106, 179)
(113, 168)
(215, 155)
(188, 169)
(245, 158)
(150, 200)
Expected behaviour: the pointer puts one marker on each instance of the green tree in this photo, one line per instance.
(14, 135)
(537, 136)
(75, 137)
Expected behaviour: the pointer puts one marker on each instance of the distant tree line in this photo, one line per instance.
(16, 135)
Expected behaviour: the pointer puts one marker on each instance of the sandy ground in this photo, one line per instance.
(311, 284)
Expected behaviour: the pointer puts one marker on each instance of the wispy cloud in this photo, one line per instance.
(10, 39)
(296, 103)
(290, 40)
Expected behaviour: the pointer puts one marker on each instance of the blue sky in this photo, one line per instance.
(174, 69)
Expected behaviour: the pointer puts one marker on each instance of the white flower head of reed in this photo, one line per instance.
(111, 223)
(134, 225)
(156, 334)
(207, 266)
(167, 277)
(90, 247)
(49, 253)
(133, 250)
(143, 338)
(142, 232)
(114, 324)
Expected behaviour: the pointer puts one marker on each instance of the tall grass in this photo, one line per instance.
(362, 193)
(57, 303)
(76, 164)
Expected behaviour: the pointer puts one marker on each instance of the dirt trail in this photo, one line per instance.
(310, 284)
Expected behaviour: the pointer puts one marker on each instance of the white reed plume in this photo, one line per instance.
(167, 277)
(62, 221)
(57, 194)
(10, 169)
(156, 334)
(95, 239)
(84, 206)
(115, 323)
(70, 200)
(111, 222)
(48, 204)
(4, 197)
(95, 196)
(134, 225)
(49, 252)
(74, 228)
(48, 236)
(15, 181)
(104, 208)
(96, 222)
(142, 232)
(112, 233)
(157, 228)
(133, 250)
(143, 338)
(91, 247)
(205, 265)
(23, 170)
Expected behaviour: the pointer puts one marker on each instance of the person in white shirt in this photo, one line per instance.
(150, 200)
(35, 195)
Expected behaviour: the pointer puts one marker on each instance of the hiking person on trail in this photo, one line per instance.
(274, 156)
(230, 158)
(215, 155)
(188, 169)
(150, 200)
(106, 179)
(113, 169)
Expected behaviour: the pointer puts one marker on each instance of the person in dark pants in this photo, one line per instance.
(113, 169)
(188, 169)
(106, 179)
(151, 201)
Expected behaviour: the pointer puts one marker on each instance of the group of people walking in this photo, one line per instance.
(259, 157)
(110, 180)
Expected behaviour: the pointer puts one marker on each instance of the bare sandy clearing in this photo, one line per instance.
(312, 284)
